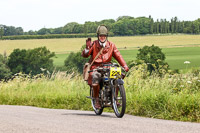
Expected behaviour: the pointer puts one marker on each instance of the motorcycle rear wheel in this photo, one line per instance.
(119, 101)
(97, 111)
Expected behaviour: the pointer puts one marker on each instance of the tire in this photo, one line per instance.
(97, 111)
(121, 98)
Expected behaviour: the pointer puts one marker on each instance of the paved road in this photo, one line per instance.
(23, 119)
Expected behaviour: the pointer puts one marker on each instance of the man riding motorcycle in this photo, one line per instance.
(109, 50)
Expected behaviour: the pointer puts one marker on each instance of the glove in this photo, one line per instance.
(126, 68)
(88, 43)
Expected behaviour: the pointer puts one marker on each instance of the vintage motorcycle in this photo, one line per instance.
(112, 92)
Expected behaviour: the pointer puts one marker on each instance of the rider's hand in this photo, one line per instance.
(88, 43)
(126, 68)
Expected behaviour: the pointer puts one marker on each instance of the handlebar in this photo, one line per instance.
(100, 69)
(90, 71)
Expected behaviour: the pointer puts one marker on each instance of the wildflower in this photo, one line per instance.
(182, 86)
(48, 72)
(189, 82)
(42, 69)
(187, 62)
(169, 79)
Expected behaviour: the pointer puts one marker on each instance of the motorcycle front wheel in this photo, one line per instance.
(97, 111)
(119, 100)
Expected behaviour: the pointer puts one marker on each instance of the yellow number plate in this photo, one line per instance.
(114, 71)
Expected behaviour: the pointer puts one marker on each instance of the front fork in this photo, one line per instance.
(115, 86)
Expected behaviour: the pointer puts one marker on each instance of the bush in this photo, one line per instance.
(75, 62)
(4, 70)
(31, 61)
(154, 58)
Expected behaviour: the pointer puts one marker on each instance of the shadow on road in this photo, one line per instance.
(84, 114)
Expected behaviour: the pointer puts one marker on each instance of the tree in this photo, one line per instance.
(151, 26)
(19, 31)
(31, 32)
(16, 61)
(75, 61)
(4, 70)
(157, 26)
(124, 17)
(176, 24)
(196, 25)
(44, 31)
(153, 57)
(58, 30)
(78, 28)
(68, 28)
(1, 31)
(31, 61)
(91, 26)
(172, 25)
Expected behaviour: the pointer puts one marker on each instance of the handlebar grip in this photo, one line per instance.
(123, 69)
(90, 71)
(107, 64)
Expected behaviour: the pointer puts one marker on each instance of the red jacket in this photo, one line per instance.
(105, 57)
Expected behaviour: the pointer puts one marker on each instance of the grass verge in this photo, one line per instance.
(174, 97)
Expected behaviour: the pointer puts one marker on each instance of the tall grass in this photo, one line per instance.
(174, 97)
(170, 97)
(58, 91)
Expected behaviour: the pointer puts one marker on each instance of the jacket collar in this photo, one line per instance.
(99, 46)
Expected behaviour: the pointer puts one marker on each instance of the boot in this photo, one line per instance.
(96, 96)
(97, 104)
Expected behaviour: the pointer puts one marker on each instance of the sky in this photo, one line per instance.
(37, 14)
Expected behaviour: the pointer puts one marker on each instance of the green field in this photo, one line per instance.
(178, 48)
(177, 56)
(174, 56)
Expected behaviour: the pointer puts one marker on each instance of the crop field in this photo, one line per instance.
(66, 45)
(178, 48)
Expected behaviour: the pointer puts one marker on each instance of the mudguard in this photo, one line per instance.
(120, 81)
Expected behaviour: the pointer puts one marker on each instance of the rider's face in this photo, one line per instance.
(102, 38)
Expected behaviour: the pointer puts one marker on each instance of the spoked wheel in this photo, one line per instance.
(97, 111)
(119, 100)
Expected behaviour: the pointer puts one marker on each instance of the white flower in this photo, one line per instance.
(182, 86)
(48, 72)
(42, 69)
(198, 80)
(187, 62)
(189, 82)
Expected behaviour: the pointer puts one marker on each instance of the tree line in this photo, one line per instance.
(123, 25)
